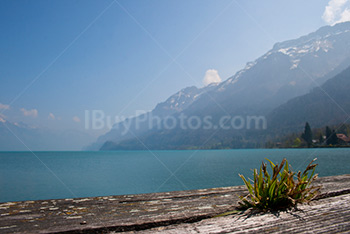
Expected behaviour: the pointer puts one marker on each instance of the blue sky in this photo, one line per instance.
(60, 58)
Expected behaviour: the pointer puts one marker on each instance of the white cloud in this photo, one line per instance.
(76, 119)
(2, 118)
(4, 107)
(51, 116)
(32, 113)
(345, 15)
(211, 76)
(337, 11)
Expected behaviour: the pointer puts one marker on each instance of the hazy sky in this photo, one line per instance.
(60, 58)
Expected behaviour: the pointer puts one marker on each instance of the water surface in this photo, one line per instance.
(52, 175)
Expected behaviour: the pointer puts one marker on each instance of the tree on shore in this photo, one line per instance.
(331, 137)
(328, 135)
(320, 139)
(334, 138)
(307, 135)
(296, 143)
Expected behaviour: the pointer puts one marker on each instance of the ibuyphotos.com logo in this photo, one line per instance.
(97, 120)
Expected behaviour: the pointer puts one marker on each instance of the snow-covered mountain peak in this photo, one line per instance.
(178, 101)
(313, 46)
(296, 53)
(321, 41)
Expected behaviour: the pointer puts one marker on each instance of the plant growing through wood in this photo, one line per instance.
(285, 189)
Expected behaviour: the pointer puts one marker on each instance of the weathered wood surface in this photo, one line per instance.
(328, 215)
(159, 210)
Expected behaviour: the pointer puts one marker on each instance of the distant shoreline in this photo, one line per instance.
(313, 147)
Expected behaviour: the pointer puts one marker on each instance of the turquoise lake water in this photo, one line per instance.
(52, 175)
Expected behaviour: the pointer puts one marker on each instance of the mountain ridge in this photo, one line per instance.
(290, 69)
(329, 101)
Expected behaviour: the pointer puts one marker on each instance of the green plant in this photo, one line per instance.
(281, 190)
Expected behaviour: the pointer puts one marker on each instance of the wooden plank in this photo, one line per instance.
(329, 215)
(130, 212)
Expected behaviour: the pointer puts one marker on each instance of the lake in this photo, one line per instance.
(53, 175)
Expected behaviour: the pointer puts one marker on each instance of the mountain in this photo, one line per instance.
(138, 125)
(22, 137)
(290, 69)
(328, 104)
(177, 102)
